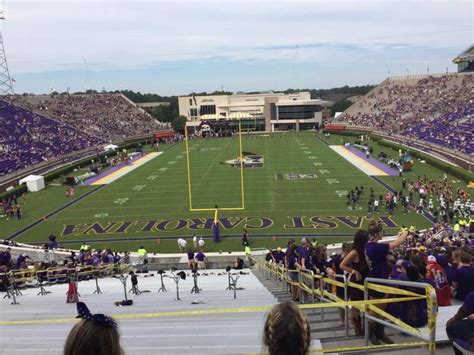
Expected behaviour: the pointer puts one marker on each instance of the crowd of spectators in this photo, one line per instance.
(438, 109)
(28, 138)
(109, 116)
(36, 129)
(439, 256)
(81, 262)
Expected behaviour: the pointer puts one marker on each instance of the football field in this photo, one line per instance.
(299, 191)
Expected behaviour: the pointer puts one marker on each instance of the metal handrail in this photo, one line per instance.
(369, 283)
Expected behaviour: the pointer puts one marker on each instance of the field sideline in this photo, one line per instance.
(151, 202)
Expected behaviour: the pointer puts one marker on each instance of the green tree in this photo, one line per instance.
(340, 106)
(179, 124)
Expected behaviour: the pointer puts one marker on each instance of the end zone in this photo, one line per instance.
(369, 166)
(116, 173)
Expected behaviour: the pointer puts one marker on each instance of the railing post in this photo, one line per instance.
(366, 320)
(346, 308)
(321, 287)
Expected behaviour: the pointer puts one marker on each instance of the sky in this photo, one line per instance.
(178, 47)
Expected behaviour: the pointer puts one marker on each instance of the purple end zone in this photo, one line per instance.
(378, 164)
(110, 171)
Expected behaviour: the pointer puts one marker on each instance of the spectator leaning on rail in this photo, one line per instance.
(376, 254)
(356, 266)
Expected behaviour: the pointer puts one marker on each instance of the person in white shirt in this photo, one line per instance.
(376, 205)
(201, 243)
(195, 241)
(182, 244)
(430, 205)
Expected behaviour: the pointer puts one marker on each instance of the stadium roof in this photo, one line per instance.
(466, 56)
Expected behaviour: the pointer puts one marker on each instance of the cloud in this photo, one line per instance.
(109, 34)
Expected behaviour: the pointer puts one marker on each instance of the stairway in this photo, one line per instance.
(326, 328)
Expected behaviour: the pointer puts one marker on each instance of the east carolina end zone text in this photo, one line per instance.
(227, 223)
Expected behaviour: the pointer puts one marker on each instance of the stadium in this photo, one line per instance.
(239, 222)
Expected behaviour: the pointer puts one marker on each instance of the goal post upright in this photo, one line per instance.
(242, 193)
(188, 171)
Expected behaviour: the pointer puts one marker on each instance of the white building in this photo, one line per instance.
(264, 111)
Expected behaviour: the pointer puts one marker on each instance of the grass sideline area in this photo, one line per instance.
(300, 191)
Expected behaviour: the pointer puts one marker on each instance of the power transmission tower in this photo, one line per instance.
(6, 86)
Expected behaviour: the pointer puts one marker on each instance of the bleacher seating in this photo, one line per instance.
(29, 138)
(110, 116)
(438, 109)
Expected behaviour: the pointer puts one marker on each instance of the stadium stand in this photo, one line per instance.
(29, 138)
(435, 108)
(110, 116)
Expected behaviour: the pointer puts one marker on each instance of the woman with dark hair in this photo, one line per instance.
(287, 331)
(95, 334)
(356, 266)
(293, 266)
(376, 254)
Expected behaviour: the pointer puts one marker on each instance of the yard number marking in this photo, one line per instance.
(138, 187)
(163, 169)
(121, 201)
(332, 181)
(152, 177)
(312, 157)
(101, 215)
(317, 163)
(171, 162)
(323, 171)
(341, 193)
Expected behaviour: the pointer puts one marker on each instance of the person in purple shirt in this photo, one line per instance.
(21, 258)
(245, 238)
(461, 326)
(201, 260)
(291, 261)
(190, 255)
(288, 250)
(376, 255)
(414, 313)
(278, 256)
(463, 281)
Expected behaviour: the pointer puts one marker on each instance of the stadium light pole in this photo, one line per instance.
(6, 84)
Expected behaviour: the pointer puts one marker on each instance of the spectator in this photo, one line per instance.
(463, 281)
(201, 260)
(438, 277)
(287, 331)
(190, 255)
(376, 254)
(414, 313)
(461, 326)
(239, 264)
(142, 255)
(356, 265)
(293, 266)
(95, 334)
(201, 243)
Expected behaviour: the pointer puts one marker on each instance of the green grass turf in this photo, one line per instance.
(158, 191)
